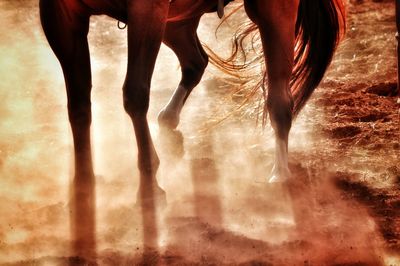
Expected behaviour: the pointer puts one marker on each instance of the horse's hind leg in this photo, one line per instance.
(182, 38)
(66, 33)
(276, 21)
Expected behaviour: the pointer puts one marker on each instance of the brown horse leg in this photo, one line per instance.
(276, 21)
(182, 38)
(146, 25)
(67, 38)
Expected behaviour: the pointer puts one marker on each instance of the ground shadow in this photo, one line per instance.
(149, 203)
(324, 218)
(382, 205)
(83, 220)
(205, 179)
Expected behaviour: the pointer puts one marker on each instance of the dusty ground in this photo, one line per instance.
(343, 207)
(363, 116)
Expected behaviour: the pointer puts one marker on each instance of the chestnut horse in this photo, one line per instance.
(298, 38)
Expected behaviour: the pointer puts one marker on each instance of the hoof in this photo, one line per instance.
(157, 198)
(277, 179)
(171, 141)
(168, 119)
(279, 175)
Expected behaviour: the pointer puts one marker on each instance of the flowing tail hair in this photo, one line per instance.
(320, 26)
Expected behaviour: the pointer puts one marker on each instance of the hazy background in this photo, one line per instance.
(220, 208)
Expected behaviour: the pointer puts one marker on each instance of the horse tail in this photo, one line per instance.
(320, 26)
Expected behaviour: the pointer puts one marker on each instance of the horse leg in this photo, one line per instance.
(146, 25)
(182, 38)
(276, 22)
(67, 36)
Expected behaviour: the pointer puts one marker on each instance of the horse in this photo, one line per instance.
(299, 38)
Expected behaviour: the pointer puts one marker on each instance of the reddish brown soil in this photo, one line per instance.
(341, 208)
(367, 119)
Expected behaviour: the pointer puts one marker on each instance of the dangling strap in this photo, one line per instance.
(220, 8)
(121, 27)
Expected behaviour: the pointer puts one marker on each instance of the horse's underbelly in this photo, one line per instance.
(179, 9)
(112, 8)
(184, 9)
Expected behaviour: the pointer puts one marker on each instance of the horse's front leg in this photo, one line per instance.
(146, 24)
(276, 21)
(66, 32)
(182, 38)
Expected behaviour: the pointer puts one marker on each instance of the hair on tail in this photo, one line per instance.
(320, 26)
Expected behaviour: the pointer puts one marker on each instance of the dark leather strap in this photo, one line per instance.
(220, 8)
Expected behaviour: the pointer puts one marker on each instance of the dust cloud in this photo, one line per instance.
(220, 208)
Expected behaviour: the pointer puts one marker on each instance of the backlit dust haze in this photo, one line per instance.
(220, 208)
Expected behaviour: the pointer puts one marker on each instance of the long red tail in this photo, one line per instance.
(319, 28)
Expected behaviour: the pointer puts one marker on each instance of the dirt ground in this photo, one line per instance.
(362, 115)
(341, 208)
